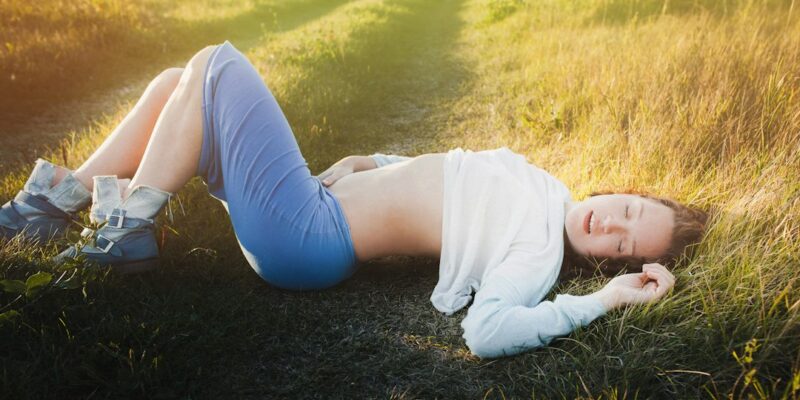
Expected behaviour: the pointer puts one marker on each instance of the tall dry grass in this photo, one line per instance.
(699, 101)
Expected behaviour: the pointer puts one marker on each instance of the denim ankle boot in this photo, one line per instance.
(126, 238)
(41, 212)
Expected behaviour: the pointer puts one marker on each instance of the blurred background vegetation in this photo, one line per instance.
(695, 99)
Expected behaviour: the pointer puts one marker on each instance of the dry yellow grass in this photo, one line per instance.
(703, 106)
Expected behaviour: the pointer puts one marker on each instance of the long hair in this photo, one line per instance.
(690, 225)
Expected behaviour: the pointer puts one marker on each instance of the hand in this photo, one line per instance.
(638, 288)
(336, 171)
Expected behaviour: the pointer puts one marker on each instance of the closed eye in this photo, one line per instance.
(626, 211)
(619, 248)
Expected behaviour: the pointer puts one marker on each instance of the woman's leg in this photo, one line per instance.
(173, 152)
(121, 153)
(127, 241)
(52, 194)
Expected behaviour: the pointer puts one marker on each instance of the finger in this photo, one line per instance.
(335, 176)
(661, 290)
(666, 273)
(653, 267)
(654, 274)
(660, 267)
(642, 277)
(659, 277)
(663, 286)
(327, 180)
(659, 283)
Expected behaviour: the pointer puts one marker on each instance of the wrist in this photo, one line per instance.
(363, 163)
(608, 297)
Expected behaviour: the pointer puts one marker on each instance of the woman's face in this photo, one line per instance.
(617, 225)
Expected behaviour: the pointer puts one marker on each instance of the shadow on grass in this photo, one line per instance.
(206, 325)
(392, 89)
(377, 332)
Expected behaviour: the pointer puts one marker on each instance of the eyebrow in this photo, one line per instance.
(633, 248)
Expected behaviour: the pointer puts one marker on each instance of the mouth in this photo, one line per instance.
(587, 222)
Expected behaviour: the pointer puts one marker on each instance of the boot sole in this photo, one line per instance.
(136, 267)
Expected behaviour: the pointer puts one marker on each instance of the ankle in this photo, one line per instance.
(124, 188)
(80, 176)
(58, 176)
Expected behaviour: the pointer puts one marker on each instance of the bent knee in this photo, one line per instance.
(200, 59)
(171, 74)
(196, 67)
(168, 77)
(190, 82)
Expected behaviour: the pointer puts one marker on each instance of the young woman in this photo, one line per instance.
(499, 225)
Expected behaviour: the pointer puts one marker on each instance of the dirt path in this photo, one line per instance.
(400, 86)
(409, 75)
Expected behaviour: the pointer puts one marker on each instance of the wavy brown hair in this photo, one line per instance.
(690, 225)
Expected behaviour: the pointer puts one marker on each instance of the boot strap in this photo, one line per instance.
(13, 215)
(117, 219)
(40, 202)
(103, 243)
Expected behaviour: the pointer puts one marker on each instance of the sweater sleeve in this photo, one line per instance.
(504, 318)
(386, 159)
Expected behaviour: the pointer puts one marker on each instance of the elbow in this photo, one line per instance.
(476, 343)
(492, 336)
(485, 347)
(478, 339)
(481, 348)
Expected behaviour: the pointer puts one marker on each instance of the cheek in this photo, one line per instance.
(604, 247)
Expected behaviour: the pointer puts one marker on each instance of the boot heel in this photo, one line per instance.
(136, 266)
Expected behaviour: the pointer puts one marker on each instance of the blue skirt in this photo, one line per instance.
(290, 227)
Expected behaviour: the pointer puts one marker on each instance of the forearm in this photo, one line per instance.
(377, 160)
(499, 329)
(362, 163)
(380, 159)
(607, 297)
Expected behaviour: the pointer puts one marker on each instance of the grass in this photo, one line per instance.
(693, 99)
(71, 53)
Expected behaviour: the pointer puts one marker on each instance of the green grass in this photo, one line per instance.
(692, 99)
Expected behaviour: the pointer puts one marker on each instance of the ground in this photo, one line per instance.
(692, 99)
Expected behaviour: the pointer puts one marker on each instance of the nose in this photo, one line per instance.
(610, 224)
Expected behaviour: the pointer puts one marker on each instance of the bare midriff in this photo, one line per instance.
(396, 209)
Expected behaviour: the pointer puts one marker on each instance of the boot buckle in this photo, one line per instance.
(117, 218)
(105, 247)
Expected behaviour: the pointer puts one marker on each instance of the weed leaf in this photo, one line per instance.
(36, 282)
(9, 317)
(13, 286)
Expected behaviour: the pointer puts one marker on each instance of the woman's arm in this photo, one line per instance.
(381, 159)
(502, 321)
(507, 318)
(352, 164)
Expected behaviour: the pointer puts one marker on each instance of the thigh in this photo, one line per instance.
(250, 155)
(290, 228)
